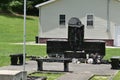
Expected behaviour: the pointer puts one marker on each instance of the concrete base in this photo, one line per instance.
(13, 75)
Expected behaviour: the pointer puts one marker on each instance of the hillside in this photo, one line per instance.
(11, 28)
(11, 31)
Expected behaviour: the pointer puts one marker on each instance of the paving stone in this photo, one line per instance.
(77, 71)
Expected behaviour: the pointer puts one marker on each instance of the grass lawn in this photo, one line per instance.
(98, 77)
(11, 31)
(117, 76)
(50, 76)
(112, 52)
(11, 28)
(7, 49)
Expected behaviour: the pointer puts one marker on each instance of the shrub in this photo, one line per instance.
(16, 6)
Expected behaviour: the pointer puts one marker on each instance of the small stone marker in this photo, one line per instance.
(13, 75)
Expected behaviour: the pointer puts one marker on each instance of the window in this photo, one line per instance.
(62, 19)
(90, 20)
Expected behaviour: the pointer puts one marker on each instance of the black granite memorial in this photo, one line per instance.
(75, 46)
(75, 34)
(62, 50)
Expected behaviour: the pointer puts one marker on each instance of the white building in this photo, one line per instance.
(100, 17)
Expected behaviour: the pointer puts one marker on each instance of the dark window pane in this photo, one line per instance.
(89, 16)
(62, 20)
(89, 23)
(89, 20)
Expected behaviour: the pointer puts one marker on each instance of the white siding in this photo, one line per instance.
(49, 17)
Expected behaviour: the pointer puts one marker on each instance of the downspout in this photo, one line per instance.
(40, 28)
(108, 16)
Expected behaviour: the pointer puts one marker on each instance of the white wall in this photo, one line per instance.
(115, 20)
(49, 17)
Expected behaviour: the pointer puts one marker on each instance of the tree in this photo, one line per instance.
(17, 6)
(5, 1)
(31, 6)
(4, 4)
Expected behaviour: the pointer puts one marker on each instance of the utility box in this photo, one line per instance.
(13, 75)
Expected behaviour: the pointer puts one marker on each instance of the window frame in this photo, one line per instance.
(90, 19)
(62, 19)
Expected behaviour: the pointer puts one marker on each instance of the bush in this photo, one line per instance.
(16, 6)
(4, 7)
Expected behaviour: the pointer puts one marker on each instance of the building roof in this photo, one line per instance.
(50, 1)
(44, 3)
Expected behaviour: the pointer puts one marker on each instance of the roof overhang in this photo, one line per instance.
(44, 3)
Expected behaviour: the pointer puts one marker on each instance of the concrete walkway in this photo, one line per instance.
(30, 66)
(77, 71)
(85, 71)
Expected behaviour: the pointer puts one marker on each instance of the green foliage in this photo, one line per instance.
(16, 6)
(31, 6)
(4, 5)
(5, 1)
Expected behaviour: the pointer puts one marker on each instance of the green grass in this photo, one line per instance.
(11, 28)
(98, 77)
(50, 76)
(7, 49)
(11, 31)
(117, 76)
(112, 52)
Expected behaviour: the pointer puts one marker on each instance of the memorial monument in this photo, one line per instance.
(75, 46)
